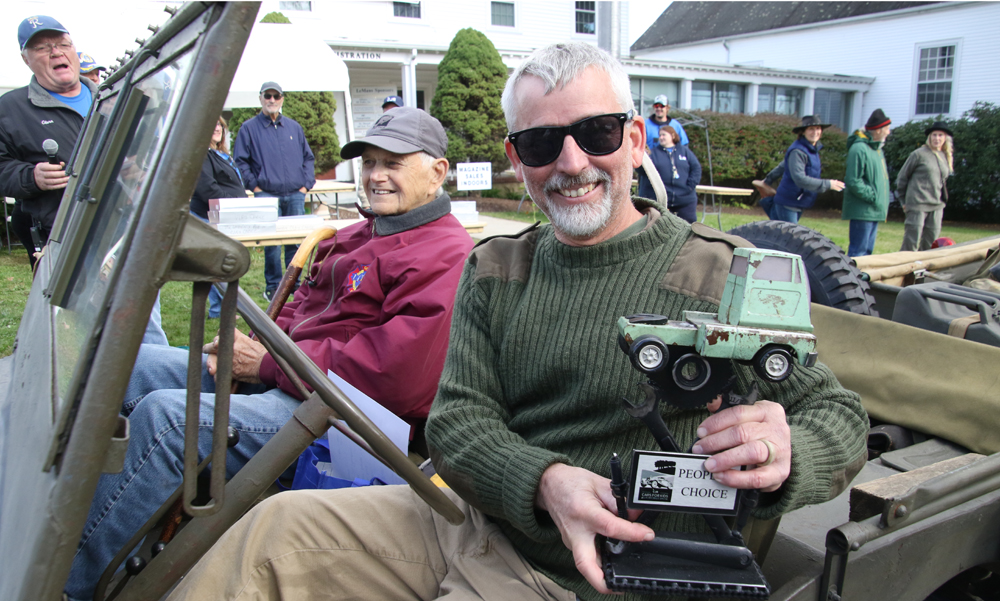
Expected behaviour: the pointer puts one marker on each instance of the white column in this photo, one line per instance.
(752, 91)
(858, 116)
(409, 77)
(685, 99)
(808, 102)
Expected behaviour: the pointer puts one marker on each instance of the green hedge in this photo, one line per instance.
(745, 148)
(974, 189)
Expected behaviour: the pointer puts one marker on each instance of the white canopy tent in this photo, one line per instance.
(299, 61)
(292, 56)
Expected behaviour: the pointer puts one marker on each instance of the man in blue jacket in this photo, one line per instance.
(659, 118)
(275, 160)
(51, 107)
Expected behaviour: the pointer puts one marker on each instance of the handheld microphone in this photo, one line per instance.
(51, 147)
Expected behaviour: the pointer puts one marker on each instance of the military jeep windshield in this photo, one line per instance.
(123, 230)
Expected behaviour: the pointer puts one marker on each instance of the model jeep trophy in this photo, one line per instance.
(763, 320)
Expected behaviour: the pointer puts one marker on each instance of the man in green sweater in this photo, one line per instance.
(528, 410)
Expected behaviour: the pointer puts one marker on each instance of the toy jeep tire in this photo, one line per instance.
(833, 280)
(691, 372)
(649, 355)
(773, 363)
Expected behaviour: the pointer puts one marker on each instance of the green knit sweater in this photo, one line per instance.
(534, 376)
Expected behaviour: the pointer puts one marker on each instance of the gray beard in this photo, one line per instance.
(577, 221)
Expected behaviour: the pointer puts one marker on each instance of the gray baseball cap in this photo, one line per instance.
(402, 130)
(271, 85)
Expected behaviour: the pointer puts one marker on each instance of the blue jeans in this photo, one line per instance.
(767, 203)
(779, 212)
(862, 237)
(154, 463)
(154, 331)
(289, 204)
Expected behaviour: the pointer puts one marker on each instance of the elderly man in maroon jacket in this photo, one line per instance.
(376, 310)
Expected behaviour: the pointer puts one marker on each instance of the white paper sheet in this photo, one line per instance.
(349, 460)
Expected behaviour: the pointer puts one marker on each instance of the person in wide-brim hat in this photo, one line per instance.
(938, 126)
(810, 121)
(799, 173)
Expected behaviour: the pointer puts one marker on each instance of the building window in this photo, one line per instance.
(834, 106)
(303, 6)
(779, 99)
(410, 10)
(502, 13)
(645, 90)
(935, 73)
(586, 17)
(718, 96)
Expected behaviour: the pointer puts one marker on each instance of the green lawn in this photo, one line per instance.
(890, 233)
(175, 297)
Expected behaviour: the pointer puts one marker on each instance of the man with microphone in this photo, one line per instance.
(39, 124)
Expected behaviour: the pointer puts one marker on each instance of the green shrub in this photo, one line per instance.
(275, 17)
(471, 78)
(974, 189)
(745, 148)
(314, 112)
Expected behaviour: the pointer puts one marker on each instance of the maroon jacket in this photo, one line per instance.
(377, 309)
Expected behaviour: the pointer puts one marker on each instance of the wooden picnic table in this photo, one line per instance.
(297, 236)
(708, 193)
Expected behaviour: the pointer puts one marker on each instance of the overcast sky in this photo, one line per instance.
(641, 15)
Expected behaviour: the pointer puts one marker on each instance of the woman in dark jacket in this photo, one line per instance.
(219, 179)
(219, 176)
(680, 171)
(801, 183)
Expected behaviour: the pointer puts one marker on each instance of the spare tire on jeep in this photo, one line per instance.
(833, 280)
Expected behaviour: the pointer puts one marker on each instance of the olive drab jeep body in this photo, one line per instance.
(923, 514)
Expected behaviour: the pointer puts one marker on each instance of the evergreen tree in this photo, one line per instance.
(275, 17)
(471, 78)
(314, 112)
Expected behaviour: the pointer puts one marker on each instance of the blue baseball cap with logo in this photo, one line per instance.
(88, 64)
(392, 100)
(36, 24)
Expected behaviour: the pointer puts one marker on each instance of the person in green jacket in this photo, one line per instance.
(866, 196)
(528, 410)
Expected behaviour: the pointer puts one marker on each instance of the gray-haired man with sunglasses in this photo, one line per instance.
(528, 409)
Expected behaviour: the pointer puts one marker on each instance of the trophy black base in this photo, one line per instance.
(655, 574)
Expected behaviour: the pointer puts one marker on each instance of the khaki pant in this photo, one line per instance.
(921, 229)
(379, 542)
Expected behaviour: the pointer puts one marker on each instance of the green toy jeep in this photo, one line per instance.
(763, 319)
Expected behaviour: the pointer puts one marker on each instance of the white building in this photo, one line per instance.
(837, 59)
(921, 58)
(392, 47)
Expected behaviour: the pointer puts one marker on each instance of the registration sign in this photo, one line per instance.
(678, 482)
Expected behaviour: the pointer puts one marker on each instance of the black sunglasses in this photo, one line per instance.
(272, 96)
(597, 136)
